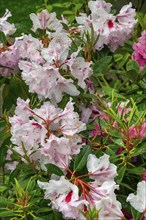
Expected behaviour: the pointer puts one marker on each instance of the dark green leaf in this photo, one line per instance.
(139, 150)
(81, 158)
(133, 65)
(8, 213)
(54, 169)
(118, 141)
(121, 173)
(136, 170)
(3, 38)
(102, 64)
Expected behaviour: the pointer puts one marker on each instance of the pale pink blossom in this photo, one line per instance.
(69, 198)
(138, 201)
(54, 132)
(59, 151)
(58, 49)
(45, 20)
(10, 165)
(101, 169)
(86, 113)
(46, 81)
(30, 48)
(126, 15)
(80, 69)
(5, 26)
(64, 197)
(9, 60)
(100, 4)
(111, 30)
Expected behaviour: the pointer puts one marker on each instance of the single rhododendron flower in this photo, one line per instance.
(101, 168)
(138, 201)
(64, 197)
(5, 26)
(9, 59)
(44, 20)
(139, 53)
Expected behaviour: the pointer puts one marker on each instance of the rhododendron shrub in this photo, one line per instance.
(72, 123)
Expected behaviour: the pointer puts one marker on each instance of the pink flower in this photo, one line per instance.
(101, 169)
(30, 48)
(9, 60)
(5, 26)
(109, 29)
(58, 49)
(59, 150)
(139, 53)
(80, 69)
(44, 20)
(49, 134)
(46, 81)
(71, 196)
(64, 197)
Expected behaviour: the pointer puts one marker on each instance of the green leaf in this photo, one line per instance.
(132, 65)
(54, 169)
(118, 141)
(8, 213)
(5, 201)
(143, 73)
(3, 38)
(102, 64)
(136, 170)
(3, 188)
(44, 209)
(81, 158)
(112, 92)
(54, 216)
(121, 173)
(135, 214)
(13, 90)
(132, 75)
(4, 148)
(114, 134)
(123, 60)
(139, 150)
(18, 189)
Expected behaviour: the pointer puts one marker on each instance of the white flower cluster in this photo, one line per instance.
(47, 134)
(45, 65)
(111, 30)
(75, 195)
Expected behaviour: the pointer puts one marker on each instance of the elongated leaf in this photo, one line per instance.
(118, 141)
(5, 201)
(139, 150)
(132, 65)
(44, 209)
(3, 38)
(54, 169)
(81, 159)
(102, 64)
(8, 213)
(121, 173)
(136, 170)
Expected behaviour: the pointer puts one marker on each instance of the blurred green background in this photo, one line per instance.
(21, 9)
